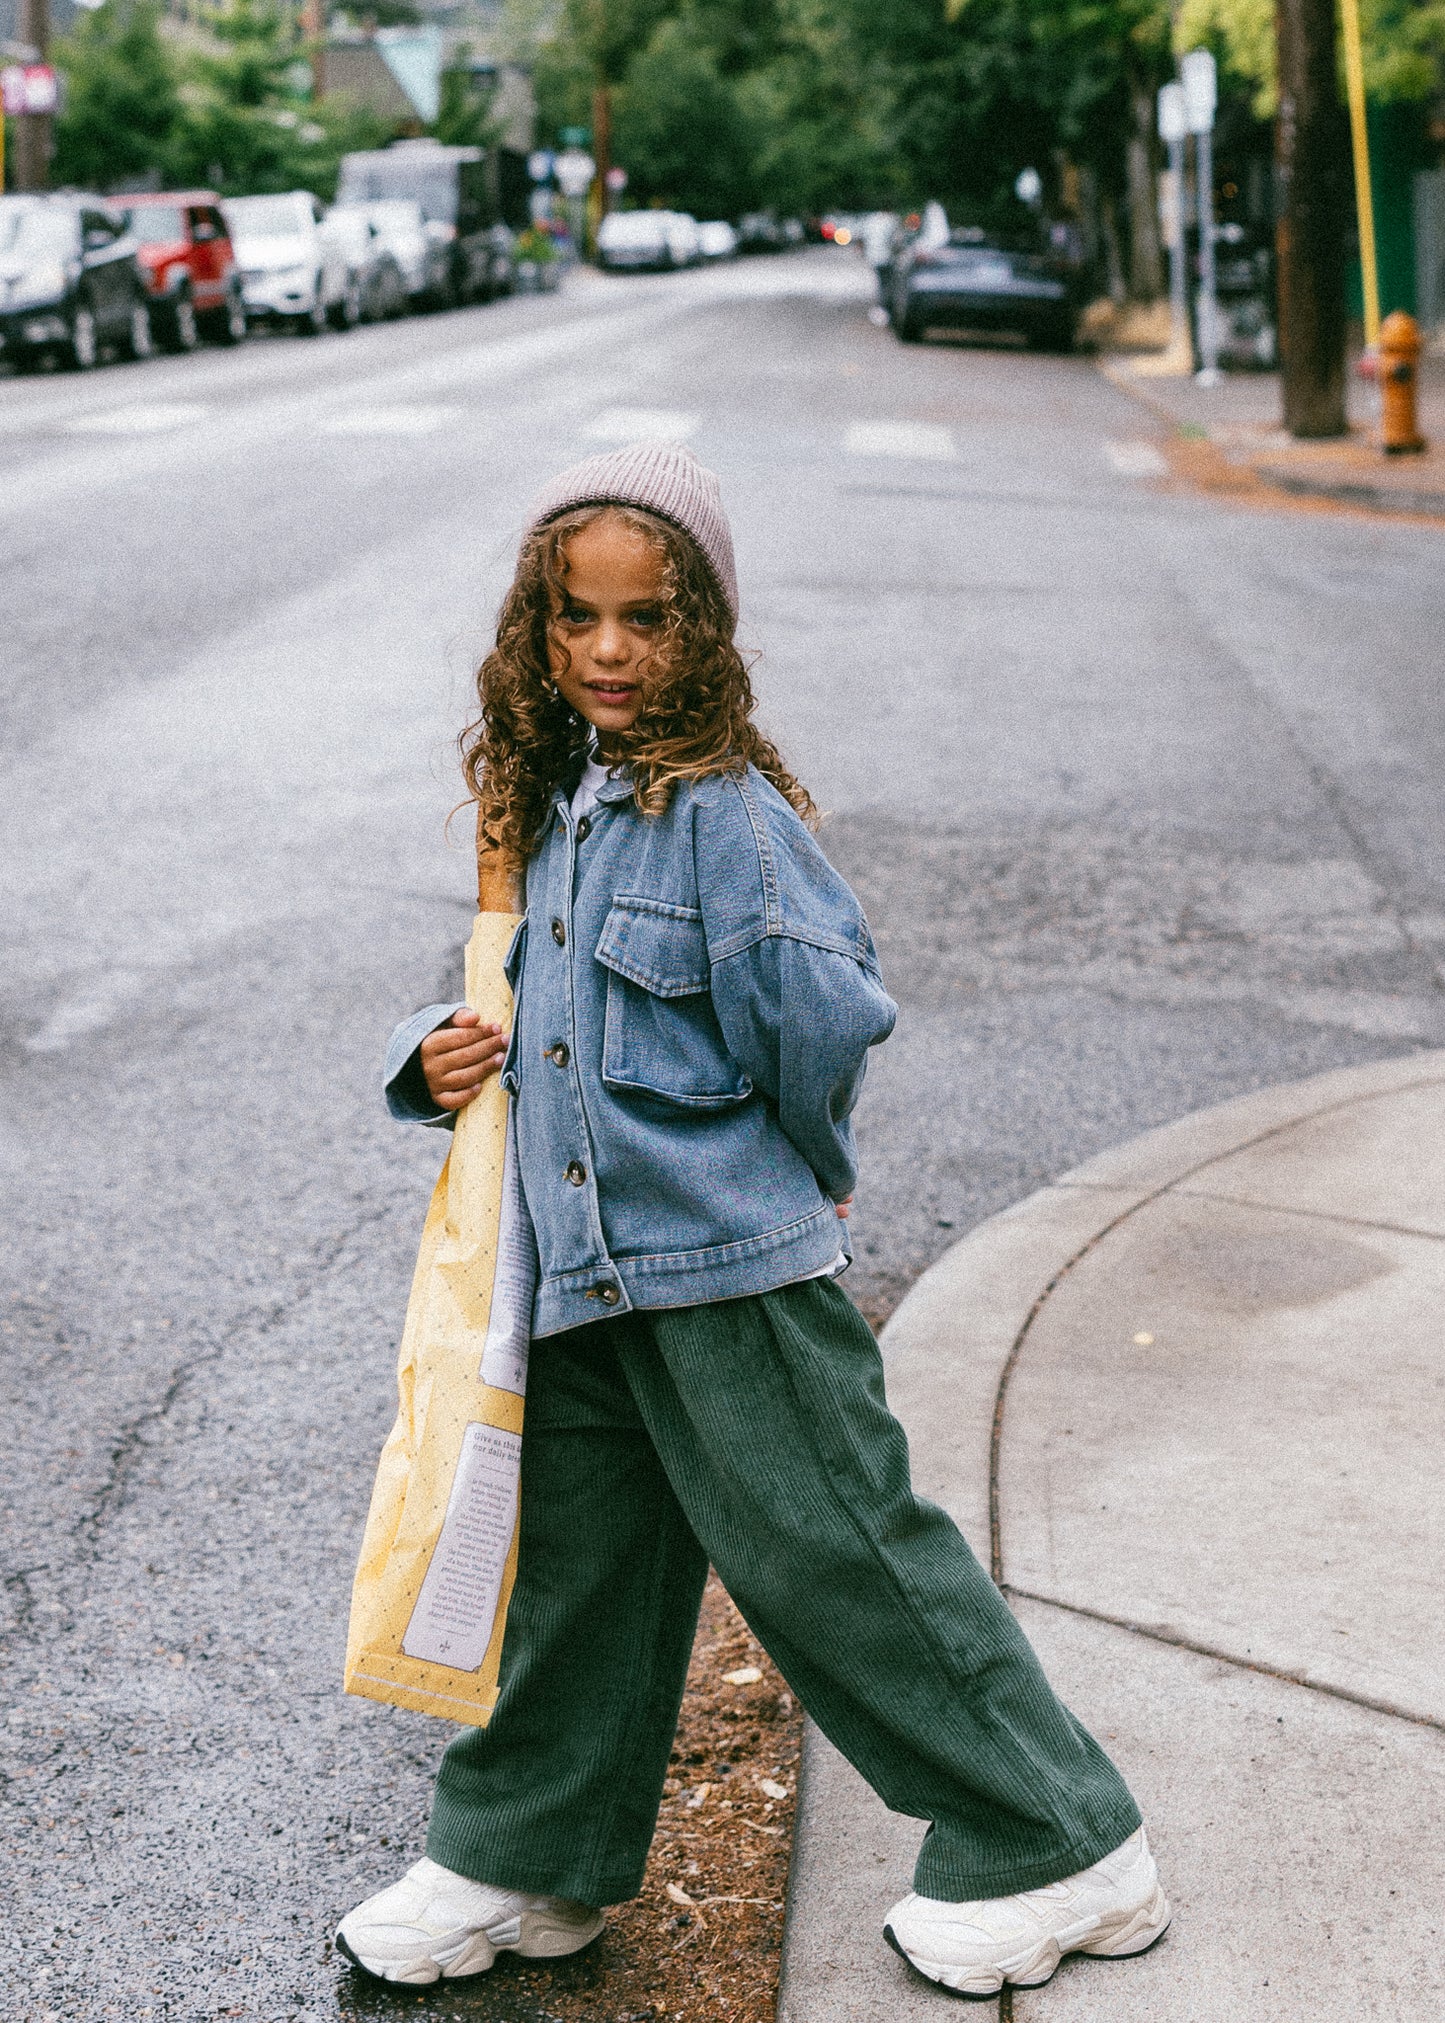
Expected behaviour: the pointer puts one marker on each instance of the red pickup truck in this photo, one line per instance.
(185, 254)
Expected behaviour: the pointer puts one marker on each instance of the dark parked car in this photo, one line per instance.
(475, 199)
(983, 277)
(70, 282)
(189, 266)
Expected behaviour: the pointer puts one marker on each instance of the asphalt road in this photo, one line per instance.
(1141, 791)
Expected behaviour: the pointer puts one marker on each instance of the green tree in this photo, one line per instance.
(249, 126)
(122, 106)
(682, 129)
(1404, 45)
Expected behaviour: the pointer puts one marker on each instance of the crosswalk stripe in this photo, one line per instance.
(918, 439)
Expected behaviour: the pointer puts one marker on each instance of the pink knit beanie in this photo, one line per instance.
(665, 478)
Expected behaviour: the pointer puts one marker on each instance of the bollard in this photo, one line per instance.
(1399, 384)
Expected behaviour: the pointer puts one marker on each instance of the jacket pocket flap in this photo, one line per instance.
(657, 945)
(516, 949)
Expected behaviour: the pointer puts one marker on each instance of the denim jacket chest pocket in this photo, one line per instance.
(661, 1036)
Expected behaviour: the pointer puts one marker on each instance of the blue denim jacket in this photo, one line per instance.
(696, 994)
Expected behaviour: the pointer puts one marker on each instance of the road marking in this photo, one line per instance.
(1136, 460)
(898, 439)
(641, 424)
(417, 419)
(142, 418)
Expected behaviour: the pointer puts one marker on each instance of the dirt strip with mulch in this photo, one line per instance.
(702, 1942)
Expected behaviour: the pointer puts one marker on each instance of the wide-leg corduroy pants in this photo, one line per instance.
(754, 1433)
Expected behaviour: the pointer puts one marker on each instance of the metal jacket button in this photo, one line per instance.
(559, 934)
(584, 828)
(608, 1294)
(575, 1171)
(557, 1052)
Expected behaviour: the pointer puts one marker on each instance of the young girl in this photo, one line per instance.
(696, 993)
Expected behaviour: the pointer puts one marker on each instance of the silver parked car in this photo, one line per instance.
(421, 250)
(375, 289)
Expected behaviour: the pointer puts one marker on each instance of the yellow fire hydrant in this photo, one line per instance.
(1399, 371)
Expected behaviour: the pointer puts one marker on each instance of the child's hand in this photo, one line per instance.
(844, 1207)
(458, 1057)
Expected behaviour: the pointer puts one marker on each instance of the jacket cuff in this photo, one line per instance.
(407, 1096)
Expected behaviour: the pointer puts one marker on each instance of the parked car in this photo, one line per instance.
(637, 240)
(375, 287)
(683, 238)
(290, 272)
(716, 240)
(418, 248)
(983, 277)
(70, 282)
(475, 197)
(654, 240)
(760, 232)
(189, 267)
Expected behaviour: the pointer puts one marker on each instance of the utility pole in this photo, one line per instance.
(30, 138)
(1309, 155)
(602, 143)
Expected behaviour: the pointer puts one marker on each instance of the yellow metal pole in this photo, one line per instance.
(1360, 137)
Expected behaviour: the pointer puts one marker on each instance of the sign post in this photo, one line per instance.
(1173, 128)
(1200, 85)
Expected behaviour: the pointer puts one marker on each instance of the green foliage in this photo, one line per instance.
(122, 106)
(464, 115)
(682, 128)
(1404, 46)
(228, 113)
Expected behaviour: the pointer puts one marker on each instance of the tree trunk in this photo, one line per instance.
(1146, 265)
(1310, 156)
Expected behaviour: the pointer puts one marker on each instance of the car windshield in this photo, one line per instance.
(34, 231)
(1008, 237)
(266, 217)
(157, 224)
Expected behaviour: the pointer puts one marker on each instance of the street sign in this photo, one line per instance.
(1200, 85)
(539, 164)
(574, 170)
(29, 87)
(1173, 113)
(1028, 186)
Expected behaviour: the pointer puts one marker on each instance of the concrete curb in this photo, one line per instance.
(1357, 493)
(951, 1350)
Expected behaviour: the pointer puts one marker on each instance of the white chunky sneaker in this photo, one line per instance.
(1115, 1908)
(435, 1924)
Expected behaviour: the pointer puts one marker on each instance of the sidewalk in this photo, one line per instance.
(1215, 1363)
(1239, 421)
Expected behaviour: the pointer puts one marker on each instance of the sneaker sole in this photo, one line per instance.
(548, 1944)
(1141, 1935)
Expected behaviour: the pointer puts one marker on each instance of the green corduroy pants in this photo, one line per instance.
(754, 1433)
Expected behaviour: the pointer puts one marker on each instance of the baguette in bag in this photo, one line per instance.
(429, 1603)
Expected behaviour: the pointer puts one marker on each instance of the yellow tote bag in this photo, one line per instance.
(429, 1603)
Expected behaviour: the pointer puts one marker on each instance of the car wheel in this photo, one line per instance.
(909, 328)
(138, 341)
(311, 322)
(183, 332)
(347, 312)
(83, 345)
(1056, 336)
(227, 325)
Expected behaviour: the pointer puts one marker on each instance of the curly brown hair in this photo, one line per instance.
(696, 715)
